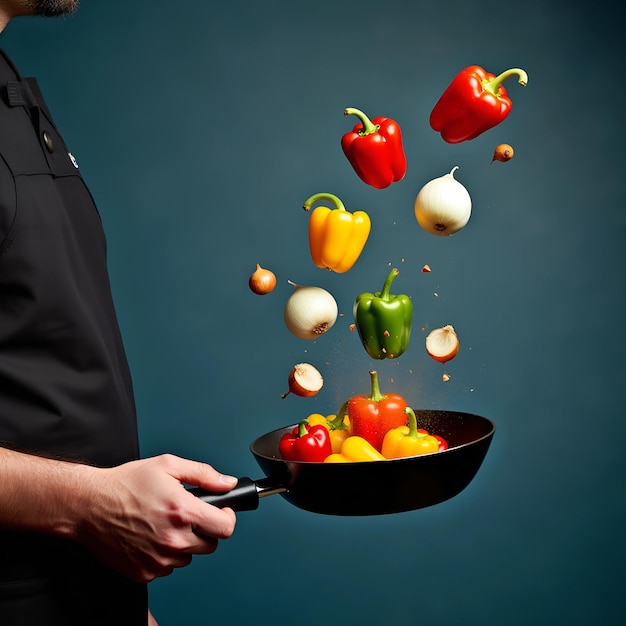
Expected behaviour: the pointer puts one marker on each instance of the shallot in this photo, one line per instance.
(262, 281)
(503, 153)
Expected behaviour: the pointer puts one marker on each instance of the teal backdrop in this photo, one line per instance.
(202, 126)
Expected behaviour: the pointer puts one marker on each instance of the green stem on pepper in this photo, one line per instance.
(376, 395)
(302, 428)
(368, 126)
(338, 423)
(492, 86)
(412, 423)
(324, 196)
(385, 291)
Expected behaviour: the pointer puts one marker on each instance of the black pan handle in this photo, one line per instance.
(243, 497)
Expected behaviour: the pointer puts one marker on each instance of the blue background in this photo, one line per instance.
(201, 127)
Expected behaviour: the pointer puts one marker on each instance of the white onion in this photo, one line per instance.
(310, 311)
(443, 205)
(442, 344)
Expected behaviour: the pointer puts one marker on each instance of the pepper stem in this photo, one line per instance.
(368, 126)
(324, 196)
(376, 395)
(338, 423)
(412, 423)
(385, 291)
(493, 86)
(302, 429)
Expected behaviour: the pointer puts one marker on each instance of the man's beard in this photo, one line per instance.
(53, 8)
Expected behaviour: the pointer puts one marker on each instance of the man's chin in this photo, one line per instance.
(53, 8)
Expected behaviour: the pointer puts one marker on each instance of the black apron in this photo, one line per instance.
(65, 387)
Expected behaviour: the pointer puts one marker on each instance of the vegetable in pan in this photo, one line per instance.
(384, 320)
(346, 447)
(306, 443)
(474, 102)
(374, 149)
(371, 416)
(337, 426)
(355, 449)
(408, 440)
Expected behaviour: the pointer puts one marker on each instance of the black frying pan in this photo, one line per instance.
(368, 488)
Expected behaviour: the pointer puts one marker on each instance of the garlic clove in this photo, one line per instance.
(442, 344)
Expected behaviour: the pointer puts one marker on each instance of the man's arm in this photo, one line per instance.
(137, 518)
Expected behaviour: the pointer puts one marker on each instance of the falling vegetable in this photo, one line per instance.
(304, 381)
(443, 205)
(474, 102)
(336, 236)
(384, 320)
(374, 149)
(442, 344)
(310, 311)
(371, 416)
(503, 153)
(262, 281)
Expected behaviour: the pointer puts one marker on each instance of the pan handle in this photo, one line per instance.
(243, 497)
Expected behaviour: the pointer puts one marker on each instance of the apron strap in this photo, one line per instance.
(20, 95)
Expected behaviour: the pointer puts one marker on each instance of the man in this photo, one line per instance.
(84, 524)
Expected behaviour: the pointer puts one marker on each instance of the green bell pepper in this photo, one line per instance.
(384, 321)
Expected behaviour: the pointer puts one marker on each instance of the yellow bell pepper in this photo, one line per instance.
(336, 236)
(408, 440)
(339, 431)
(355, 449)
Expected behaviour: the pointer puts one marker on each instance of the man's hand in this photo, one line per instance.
(142, 522)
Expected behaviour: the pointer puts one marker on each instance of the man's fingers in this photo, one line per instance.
(197, 474)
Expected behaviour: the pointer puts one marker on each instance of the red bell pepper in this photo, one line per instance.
(306, 443)
(443, 444)
(374, 149)
(474, 102)
(372, 416)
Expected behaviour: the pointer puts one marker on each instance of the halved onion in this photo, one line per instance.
(304, 380)
(442, 344)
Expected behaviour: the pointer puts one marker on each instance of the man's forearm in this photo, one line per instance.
(40, 494)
